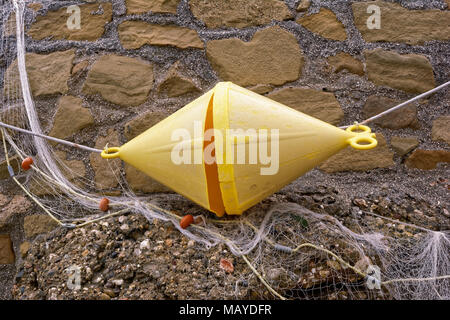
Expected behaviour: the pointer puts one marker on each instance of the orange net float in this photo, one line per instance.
(186, 221)
(104, 204)
(26, 163)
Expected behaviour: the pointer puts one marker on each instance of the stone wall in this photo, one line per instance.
(134, 62)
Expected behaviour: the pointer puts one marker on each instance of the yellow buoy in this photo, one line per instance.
(231, 148)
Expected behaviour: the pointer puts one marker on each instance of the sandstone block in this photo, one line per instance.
(258, 61)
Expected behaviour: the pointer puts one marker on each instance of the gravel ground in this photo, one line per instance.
(131, 258)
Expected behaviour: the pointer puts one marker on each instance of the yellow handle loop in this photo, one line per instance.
(110, 153)
(371, 142)
(362, 135)
(358, 128)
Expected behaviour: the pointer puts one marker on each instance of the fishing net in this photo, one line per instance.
(290, 252)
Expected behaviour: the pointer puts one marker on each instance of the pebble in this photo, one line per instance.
(360, 203)
(122, 219)
(109, 292)
(380, 222)
(145, 244)
(117, 282)
(446, 213)
(104, 296)
(226, 265)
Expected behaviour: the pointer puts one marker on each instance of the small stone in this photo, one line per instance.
(81, 66)
(24, 248)
(257, 61)
(334, 265)
(175, 84)
(406, 117)
(427, 159)
(360, 203)
(145, 244)
(168, 242)
(7, 255)
(344, 61)
(380, 222)
(321, 105)
(446, 213)
(324, 274)
(191, 243)
(38, 224)
(70, 117)
(239, 13)
(408, 72)
(325, 24)
(110, 292)
(404, 145)
(125, 227)
(226, 265)
(441, 129)
(135, 34)
(303, 5)
(104, 296)
(121, 80)
(117, 282)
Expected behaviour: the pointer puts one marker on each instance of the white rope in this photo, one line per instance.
(420, 96)
(40, 135)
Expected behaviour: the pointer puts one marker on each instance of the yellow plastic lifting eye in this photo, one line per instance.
(371, 142)
(110, 153)
(358, 128)
(363, 139)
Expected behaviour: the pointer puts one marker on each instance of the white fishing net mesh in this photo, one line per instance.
(291, 251)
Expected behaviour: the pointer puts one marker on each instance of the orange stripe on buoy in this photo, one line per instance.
(212, 174)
